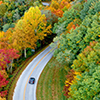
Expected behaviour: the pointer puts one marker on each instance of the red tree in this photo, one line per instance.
(3, 83)
(9, 55)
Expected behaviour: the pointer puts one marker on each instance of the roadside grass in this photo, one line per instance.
(16, 74)
(51, 82)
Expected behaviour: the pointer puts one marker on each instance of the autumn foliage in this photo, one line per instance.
(0, 2)
(58, 7)
(30, 29)
(71, 25)
(2, 98)
(19, 31)
(3, 83)
(6, 39)
(71, 79)
(78, 41)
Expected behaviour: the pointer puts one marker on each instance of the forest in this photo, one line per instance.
(28, 25)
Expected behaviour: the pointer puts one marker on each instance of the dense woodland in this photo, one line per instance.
(27, 25)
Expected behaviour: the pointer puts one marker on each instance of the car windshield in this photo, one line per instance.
(32, 79)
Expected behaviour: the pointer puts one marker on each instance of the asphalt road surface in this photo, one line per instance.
(45, 3)
(24, 90)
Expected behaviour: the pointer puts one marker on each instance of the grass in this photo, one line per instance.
(12, 82)
(51, 82)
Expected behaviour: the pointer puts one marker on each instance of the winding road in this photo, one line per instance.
(24, 90)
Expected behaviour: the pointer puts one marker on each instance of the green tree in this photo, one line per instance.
(68, 17)
(80, 37)
(3, 9)
(86, 85)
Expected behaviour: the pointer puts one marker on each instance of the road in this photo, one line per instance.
(46, 4)
(24, 90)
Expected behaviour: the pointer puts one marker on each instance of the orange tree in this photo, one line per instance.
(58, 7)
(69, 16)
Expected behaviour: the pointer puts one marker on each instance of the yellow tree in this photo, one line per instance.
(6, 39)
(30, 28)
(24, 37)
(38, 22)
(3, 40)
(2, 98)
(1, 34)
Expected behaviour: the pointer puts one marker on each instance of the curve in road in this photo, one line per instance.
(24, 90)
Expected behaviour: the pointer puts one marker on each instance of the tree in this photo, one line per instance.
(24, 37)
(4, 74)
(30, 28)
(79, 38)
(7, 26)
(9, 55)
(50, 17)
(68, 17)
(88, 56)
(6, 39)
(3, 83)
(90, 7)
(0, 2)
(2, 9)
(86, 83)
(2, 98)
(2, 13)
(58, 7)
(2, 62)
(38, 22)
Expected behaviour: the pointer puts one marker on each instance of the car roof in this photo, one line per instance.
(32, 78)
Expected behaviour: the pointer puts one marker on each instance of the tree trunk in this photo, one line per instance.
(25, 52)
(17, 59)
(7, 66)
(21, 53)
